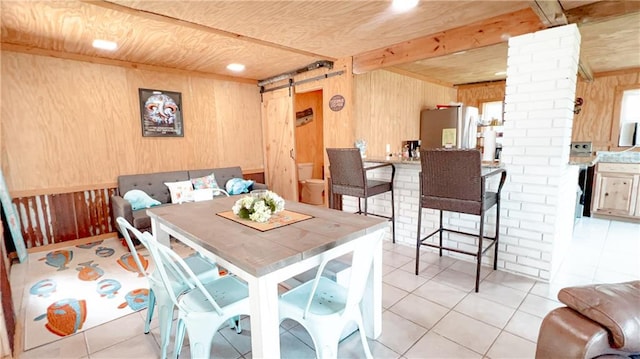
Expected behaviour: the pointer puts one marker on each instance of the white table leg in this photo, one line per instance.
(265, 325)
(161, 236)
(372, 300)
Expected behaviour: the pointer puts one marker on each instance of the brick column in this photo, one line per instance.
(540, 195)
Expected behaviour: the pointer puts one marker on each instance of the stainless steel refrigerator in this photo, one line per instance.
(451, 126)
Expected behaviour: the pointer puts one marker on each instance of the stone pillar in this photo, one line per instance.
(540, 195)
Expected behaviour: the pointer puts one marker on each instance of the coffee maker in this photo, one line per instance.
(412, 147)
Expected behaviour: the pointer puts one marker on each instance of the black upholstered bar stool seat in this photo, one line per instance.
(452, 180)
(349, 178)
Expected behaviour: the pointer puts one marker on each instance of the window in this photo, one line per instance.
(492, 111)
(629, 118)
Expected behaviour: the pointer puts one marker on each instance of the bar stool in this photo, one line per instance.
(349, 178)
(452, 180)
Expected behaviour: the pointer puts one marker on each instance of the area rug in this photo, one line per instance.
(76, 288)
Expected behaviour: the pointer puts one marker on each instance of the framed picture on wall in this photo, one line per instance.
(161, 113)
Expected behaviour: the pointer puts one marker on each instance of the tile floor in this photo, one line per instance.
(433, 315)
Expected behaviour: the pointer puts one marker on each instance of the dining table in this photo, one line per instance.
(265, 258)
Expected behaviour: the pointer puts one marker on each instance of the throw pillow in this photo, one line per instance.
(238, 185)
(205, 182)
(202, 194)
(181, 191)
(140, 199)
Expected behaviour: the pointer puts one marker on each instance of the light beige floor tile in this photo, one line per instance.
(470, 268)
(433, 345)
(404, 280)
(113, 332)
(386, 269)
(391, 295)
(501, 294)
(485, 310)
(405, 250)
(426, 270)
(466, 331)
(610, 276)
(394, 259)
(440, 293)
(398, 333)
(351, 348)
(70, 347)
(511, 280)
(524, 325)
(139, 346)
(419, 310)
(509, 346)
(431, 256)
(546, 290)
(456, 279)
(538, 306)
(242, 341)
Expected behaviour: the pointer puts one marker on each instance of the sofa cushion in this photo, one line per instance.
(139, 199)
(615, 306)
(181, 191)
(151, 183)
(208, 181)
(238, 186)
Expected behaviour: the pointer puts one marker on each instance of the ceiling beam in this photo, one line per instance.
(551, 14)
(172, 21)
(420, 77)
(601, 11)
(479, 34)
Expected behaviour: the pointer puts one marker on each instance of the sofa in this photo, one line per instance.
(153, 184)
(599, 321)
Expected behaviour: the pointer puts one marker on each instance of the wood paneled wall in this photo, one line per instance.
(70, 125)
(595, 121)
(475, 94)
(309, 137)
(387, 110)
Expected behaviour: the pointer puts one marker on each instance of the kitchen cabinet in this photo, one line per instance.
(617, 188)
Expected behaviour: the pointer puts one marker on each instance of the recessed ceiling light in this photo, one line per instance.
(500, 73)
(105, 45)
(403, 5)
(235, 67)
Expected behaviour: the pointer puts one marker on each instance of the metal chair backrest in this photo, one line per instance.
(168, 261)
(452, 173)
(346, 167)
(125, 229)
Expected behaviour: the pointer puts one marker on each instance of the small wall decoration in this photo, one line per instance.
(303, 117)
(336, 103)
(161, 113)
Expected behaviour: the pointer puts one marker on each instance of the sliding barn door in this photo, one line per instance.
(278, 126)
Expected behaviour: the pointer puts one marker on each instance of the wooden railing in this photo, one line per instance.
(53, 218)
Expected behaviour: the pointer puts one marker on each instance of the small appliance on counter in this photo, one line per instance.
(411, 148)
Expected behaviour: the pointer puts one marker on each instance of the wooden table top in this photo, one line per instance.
(256, 252)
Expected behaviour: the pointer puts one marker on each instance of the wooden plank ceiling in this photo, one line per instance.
(450, 42)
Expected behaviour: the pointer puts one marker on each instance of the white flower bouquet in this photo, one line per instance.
(258, 207)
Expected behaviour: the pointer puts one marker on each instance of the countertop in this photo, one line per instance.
(416, 161)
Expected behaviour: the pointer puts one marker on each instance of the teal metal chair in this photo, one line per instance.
(204, 308)
(324, 307)
(206, 270)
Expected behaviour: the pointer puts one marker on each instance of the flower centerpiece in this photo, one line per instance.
(259, 206)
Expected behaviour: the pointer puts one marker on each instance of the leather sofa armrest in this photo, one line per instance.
(615, 306)
(566, 334)
(120, 207)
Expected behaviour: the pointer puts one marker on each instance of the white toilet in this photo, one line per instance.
(311, 189)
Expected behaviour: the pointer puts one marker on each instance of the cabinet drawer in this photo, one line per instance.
(619, 167)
